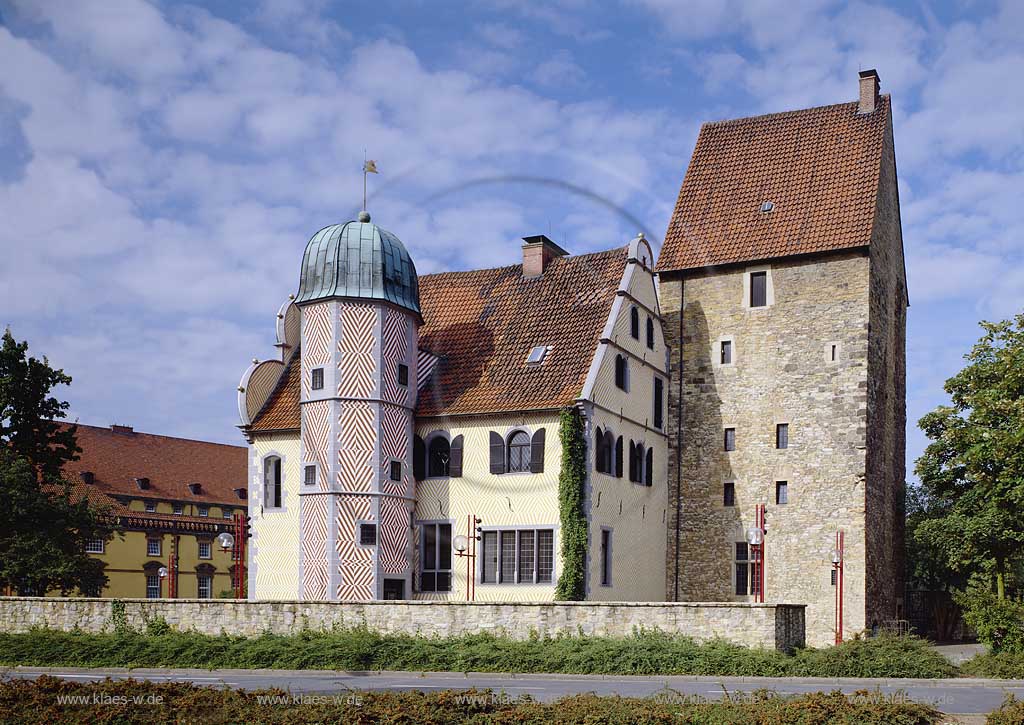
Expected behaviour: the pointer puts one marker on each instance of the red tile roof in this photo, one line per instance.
(281, 411)
(116, 459)
(482, 325)
(819, 168)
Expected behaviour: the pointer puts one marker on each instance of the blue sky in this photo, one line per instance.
(162, 165)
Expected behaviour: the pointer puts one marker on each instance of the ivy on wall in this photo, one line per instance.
(572, 580)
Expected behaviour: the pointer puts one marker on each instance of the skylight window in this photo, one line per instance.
(537, 355)
(767, 206)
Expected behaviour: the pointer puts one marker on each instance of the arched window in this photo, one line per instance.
(649, 468)
(438, 455)
(272, 482)
(650, 333)
(609, 452)
(619, 457)
(599, 452)
(621, 372)
(518, 452)
(634, 323)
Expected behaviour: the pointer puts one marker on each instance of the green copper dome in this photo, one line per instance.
(358, 260)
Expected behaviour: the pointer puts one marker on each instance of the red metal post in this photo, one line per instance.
(764, 541)
(172, 570)
(839, 566)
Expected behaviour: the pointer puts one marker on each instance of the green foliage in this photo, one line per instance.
(995, 665)
(1010, 713)
(29, 415)
(43, 532)
(998, 622)
(642, 653)
(572, 585)
(972, 472)
(34, 701)
(118, 616)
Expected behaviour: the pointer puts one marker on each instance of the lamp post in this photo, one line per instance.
(162, 573)
(465, 547)
(837, 566)
(755, 537)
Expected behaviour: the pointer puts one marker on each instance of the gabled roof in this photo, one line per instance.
(818, 167)
(281, 411)
(482, 325)
(117, 458)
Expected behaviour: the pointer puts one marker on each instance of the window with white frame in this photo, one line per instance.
(436, 559)
(150, 507)
(272, 482)
(179, 509)
(94, 546)
(204, 510)
(205, 587)
(517, 556)
(205, 550)
(747, 568)
(152, 586)
(153, 547)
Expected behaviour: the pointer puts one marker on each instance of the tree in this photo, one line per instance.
(973, 470)
(29, 415)
(43, 533)
(44, 524)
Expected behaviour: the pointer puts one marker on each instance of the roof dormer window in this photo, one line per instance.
(537, 355)
(767, 206)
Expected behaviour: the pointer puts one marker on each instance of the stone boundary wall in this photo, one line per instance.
(778, 626)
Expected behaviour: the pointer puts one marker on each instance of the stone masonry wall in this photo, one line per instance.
(782, 372)
(770, 626)
(887, 402)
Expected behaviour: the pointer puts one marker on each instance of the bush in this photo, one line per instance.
(998, 622)
(997, 665)
(881, 656)
(1011, 713)
(26, 701)
(643, 653)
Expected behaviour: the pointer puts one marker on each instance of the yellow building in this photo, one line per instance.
(405, 411)
(171, 497)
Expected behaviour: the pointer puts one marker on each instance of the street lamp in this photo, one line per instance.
(755, 537)
(226, 541)
(461, 543)
(162, 573)
(836, 555)
(465, 547)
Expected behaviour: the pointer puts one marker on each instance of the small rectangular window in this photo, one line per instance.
(204, 510)
(310, 475)
(152, 586)
(781, 492)
(403, 374)
(833, 352)
(94, 546)
(396, 470)
(150, 507)
(729, 494)
(730, 439)
(726, 355)
(367, 534)
(606, 558)
(782, 435)
(537, 354)
(758, 289)
(833, 576)
(489, 544)
(204, 589)
(545, 556)
(179, 509)
(742, 569)
(227, 513)
(205, 549)
(152, 547)
(317, 381)
(659, 402)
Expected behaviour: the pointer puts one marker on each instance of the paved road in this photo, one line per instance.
(960, 696)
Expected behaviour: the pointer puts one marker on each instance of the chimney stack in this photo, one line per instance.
(122, 429)
(868, 91)
(538, 253)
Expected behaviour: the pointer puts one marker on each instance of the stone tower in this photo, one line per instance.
(359, 300)
(784, 294)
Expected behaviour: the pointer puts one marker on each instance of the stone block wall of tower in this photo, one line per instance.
(781, 371)
(887, 402)
(356, 423)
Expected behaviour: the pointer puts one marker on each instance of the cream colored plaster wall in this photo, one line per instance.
(274, 546)
(506, 500)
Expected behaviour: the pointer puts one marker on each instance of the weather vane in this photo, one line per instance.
(369, 167)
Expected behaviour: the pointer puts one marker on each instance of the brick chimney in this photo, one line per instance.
(868, 91)
(122, 429)
(538, 253)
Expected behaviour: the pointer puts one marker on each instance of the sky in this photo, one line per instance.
(162, 165)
